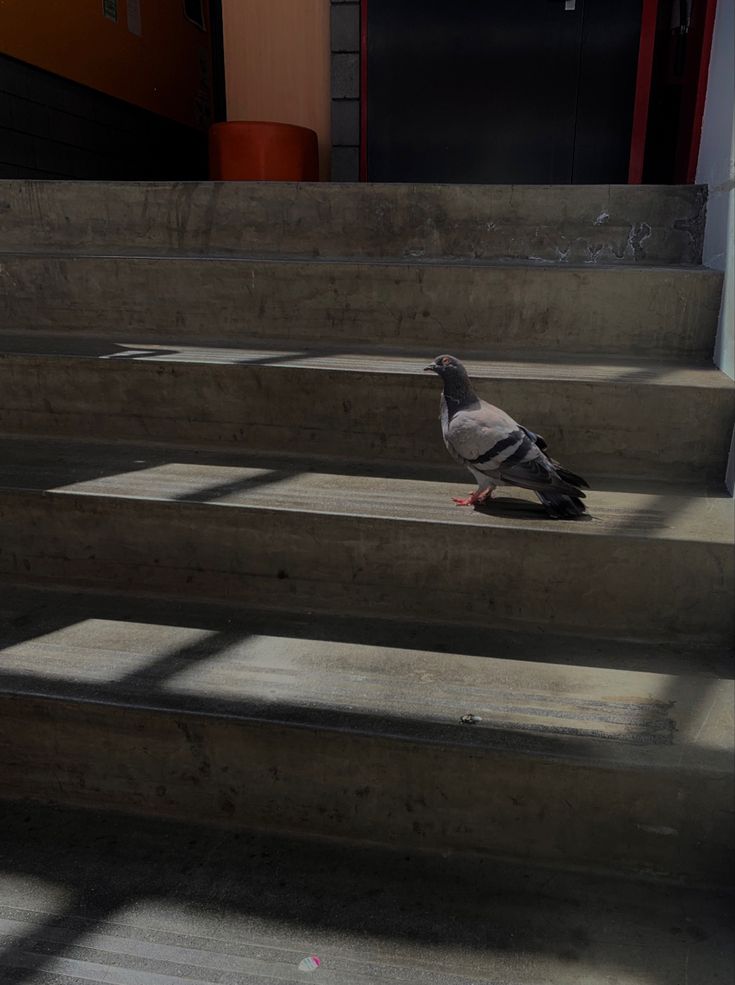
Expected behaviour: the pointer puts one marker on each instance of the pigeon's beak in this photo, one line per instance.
(430, 369)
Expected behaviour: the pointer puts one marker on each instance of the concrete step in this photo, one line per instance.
(577, 223)
(668, 312)
(617, 417)
(354, 729)
(144, 901)
(653, 561)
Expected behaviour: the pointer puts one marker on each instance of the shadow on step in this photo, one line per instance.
(108, 898)
(58, 463)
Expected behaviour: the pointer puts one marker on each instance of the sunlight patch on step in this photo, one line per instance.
(415, 686)
(659, 514)
(193, 942)
(182, 481)
(223, 940)
(103, 650)
(376, 360)
(32, 893)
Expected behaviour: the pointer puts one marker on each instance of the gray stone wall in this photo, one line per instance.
(345, 48)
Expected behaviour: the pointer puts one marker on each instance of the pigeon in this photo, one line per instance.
(497, 450)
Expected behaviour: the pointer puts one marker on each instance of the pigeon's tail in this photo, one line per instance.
(562, 506)
(570, 477)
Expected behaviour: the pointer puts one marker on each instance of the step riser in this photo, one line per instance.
(618, 587)
(599, 428)
(411, 795)
(592, 223)
(670, 313)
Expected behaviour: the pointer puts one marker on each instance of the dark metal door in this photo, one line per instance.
(478, 90)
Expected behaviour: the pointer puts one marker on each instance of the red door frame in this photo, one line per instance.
(649, 16)
(703, 23)
(700, 88)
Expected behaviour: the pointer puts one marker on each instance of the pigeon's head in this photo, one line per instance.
(457, 386)
(450, 369)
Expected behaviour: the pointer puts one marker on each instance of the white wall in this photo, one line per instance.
(716, 168)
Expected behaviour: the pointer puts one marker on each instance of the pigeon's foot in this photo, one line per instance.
(475, 498)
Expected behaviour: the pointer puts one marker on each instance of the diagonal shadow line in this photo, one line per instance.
(27, 955)
(168, 665)
(267, 359)
(219, 490)
(140, 352)
(287, 357)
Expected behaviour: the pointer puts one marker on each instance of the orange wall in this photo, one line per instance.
(277, 64)
(167, 69)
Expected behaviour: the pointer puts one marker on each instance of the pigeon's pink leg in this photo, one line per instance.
(475, 497)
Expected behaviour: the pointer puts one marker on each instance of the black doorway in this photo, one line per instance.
(500, 91)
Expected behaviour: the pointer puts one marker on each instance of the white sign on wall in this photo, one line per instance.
(135, 24)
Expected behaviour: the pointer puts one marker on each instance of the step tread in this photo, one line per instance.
(362, 358)
(640, 509)
(131, 899)
(587, 701)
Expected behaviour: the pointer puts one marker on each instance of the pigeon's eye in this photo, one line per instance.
(445, 361)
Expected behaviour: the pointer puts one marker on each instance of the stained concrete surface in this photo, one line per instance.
(559, 223)
(305, 540)
(667, 312)
(355, 728)
(642, 418)
(553, 694)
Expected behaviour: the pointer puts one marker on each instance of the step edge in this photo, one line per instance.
(446, 261)
(560, 528)
(374, 730)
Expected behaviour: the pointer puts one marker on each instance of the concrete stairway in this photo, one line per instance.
(236, 589)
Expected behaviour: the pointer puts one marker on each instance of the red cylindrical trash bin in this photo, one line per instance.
(254, 151)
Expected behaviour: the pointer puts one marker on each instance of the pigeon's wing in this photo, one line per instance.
(537, 472)
(482, 436)
(531, 473)
(536, 438)
(489, 441)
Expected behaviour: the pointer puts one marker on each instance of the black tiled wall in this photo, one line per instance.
(53, 128)
(345, 90)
